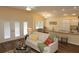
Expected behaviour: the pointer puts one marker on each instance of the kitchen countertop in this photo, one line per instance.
(62, 32)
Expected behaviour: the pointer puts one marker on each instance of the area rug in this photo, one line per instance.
(28, 50)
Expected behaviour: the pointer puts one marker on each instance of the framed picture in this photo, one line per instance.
(53, 23)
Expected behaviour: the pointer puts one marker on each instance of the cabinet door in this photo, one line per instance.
(65, 25)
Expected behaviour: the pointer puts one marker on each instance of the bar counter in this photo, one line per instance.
(73, 38)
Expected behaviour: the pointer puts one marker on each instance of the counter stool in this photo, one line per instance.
(64, 40)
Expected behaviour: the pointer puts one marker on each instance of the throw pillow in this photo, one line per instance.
(48, 41)
(52, 36)
(41, 46)
(34, 37)
(43, 36)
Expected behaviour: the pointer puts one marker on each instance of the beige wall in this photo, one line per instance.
(50, 19)
(12, 15)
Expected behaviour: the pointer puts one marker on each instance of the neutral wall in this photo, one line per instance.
(12, 15)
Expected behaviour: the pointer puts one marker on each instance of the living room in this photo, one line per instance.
(38, 23)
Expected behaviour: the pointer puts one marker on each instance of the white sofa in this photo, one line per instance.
(53, 47)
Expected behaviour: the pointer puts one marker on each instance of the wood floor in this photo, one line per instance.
(68, 48)
(63, 48)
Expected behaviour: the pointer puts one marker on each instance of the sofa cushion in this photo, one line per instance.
(48, 41)
(34, 37)
(52, 36)
(43, 36)
(41, 46)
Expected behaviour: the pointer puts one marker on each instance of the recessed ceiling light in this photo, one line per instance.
(46, 14)
(28, 9)
(74, 14)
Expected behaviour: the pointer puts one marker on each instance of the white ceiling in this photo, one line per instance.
(54, 10)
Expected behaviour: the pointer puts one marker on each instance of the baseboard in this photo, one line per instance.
(73, 43)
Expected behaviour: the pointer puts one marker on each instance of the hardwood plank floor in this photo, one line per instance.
(67, 48)
(63, 48)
